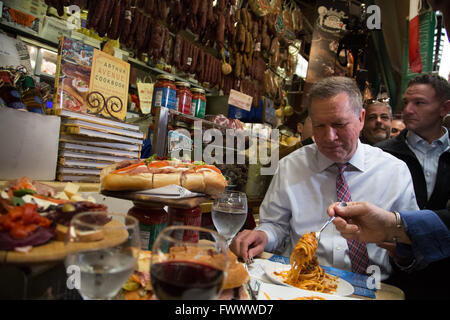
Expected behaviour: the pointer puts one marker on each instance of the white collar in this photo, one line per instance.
(357, 160)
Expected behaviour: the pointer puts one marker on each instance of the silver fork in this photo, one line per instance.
(252, 285)
(341, 204)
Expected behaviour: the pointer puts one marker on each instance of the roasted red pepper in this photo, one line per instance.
(22, 220)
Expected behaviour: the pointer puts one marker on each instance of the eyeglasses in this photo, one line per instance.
(383, 100)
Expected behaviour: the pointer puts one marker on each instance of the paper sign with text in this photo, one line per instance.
(8, 52)
(240, 100)
(110, 76)
(145, 91)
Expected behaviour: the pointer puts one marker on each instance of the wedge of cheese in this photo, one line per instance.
(71, 189)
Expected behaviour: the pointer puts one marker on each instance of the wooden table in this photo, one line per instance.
(386, 292)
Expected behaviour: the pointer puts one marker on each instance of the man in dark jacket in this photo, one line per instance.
(425, 147)
(424, 144)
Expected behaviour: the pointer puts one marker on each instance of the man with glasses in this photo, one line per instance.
(377, 124)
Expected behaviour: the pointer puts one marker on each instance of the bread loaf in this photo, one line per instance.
(156, 174)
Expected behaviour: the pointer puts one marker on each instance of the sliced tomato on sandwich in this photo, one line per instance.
(158, 164)
(152, 164)
(207, 167)
(132, 166)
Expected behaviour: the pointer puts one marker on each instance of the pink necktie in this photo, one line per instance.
(357, 250)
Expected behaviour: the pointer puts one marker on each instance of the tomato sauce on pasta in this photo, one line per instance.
(305, 272)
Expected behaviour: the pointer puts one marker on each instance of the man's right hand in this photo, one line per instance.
(362, 221)
(249, 243)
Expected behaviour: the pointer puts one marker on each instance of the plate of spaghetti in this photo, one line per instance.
(304, 271)
(269, 291)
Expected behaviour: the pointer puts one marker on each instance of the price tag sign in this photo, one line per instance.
(240, 100)
(145, 91)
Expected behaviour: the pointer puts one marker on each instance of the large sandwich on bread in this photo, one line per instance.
(134, 175)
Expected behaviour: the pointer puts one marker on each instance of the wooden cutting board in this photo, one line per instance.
(185, 203)
(55, 251)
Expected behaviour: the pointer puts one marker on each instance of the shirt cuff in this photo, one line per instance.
(405, 258)
(272, 239)
(428, 234)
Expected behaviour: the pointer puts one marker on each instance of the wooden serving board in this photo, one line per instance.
(185, 203)
(55, 251)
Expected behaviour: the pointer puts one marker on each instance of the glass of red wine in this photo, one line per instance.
(188, 263)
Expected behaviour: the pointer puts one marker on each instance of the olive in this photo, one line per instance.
(68, 207)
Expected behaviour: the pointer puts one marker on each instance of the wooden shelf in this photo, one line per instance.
(34, 38)
(145, 66)
(22, 31)
(209, 123)
(193, 119)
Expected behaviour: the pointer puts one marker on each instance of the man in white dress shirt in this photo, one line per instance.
(305, 182)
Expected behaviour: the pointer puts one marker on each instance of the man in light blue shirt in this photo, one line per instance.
(424, 144)
(305, 182)
(428, 155)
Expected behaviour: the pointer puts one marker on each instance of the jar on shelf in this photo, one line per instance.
(185, 217)
(181, 124)
(184, 97)
(152, 219)
(198, 102)
(165, 92)
(31, 97)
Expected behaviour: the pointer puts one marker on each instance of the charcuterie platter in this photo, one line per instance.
(55, 251)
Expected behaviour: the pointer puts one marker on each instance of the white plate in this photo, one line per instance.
(268, 291)
(343, 289)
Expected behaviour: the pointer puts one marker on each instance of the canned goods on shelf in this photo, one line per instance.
(152, 219)
(187, 217)
(199, 102)
(184, 97)
(165, 92)
(181, 124)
